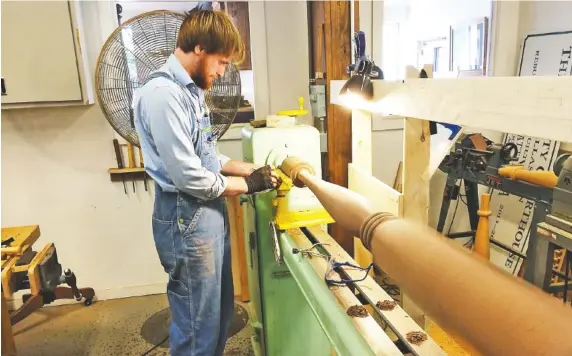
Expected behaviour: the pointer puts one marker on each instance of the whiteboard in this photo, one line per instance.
(545, 54)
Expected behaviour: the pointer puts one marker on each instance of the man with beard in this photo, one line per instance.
(190, 221)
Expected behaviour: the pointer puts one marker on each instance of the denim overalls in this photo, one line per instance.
(193, 242)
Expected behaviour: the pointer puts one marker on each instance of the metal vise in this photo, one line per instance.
(555, 233)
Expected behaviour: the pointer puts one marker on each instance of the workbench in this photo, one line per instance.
(39, 272)
(24, 237)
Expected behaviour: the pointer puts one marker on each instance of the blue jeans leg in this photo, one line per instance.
(227, 296)
(200, 290)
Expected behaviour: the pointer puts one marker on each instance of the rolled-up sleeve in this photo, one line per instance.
(222, 159)
(172, 133)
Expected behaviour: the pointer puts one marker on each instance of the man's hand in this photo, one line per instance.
(261, 179)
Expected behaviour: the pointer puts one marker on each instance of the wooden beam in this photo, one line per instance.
(356, 15)
(416, 150)
(530, 106)
(238, 12)
(238, 248)
(316, 19)
(338, 57)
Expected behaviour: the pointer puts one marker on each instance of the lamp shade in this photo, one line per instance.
(359, 84)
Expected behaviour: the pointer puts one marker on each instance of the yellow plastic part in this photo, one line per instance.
(300, 112)
(285, 219)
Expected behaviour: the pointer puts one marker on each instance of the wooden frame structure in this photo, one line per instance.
(529, 106)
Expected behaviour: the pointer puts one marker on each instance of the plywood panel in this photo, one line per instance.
(361, 140)
(380, 196)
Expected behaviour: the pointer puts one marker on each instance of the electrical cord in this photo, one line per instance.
(156, 346)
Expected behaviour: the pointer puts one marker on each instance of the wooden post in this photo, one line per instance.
(339, 119)
(416, 152)
(238, 249)
(362, 163)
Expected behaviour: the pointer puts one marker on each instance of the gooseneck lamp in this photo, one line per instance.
(358, 90)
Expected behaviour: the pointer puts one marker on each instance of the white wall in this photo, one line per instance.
(279, 41)
(541, 17)
(405, 22)
(55, 161)
(135, 7)
(54, 174)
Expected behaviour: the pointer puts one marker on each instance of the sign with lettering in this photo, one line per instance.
(510, 223)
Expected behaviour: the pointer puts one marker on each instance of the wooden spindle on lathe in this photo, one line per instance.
(482, 240)
(489, 309)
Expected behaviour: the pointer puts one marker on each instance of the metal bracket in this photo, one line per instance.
(252, 246)
(275, 243)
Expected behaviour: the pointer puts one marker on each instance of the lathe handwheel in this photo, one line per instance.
(509, 151)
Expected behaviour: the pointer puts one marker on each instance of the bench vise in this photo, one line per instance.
(555, 232)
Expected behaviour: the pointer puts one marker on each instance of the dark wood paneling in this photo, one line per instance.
(356, 15)
(338, 57)
(316, 22)
(238, 11)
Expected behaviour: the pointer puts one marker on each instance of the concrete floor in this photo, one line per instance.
(116, 327)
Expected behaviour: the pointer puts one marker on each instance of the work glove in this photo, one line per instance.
(261, 180)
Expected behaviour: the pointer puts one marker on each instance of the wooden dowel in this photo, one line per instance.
(482, 238)
(494, 312)
(543, 178)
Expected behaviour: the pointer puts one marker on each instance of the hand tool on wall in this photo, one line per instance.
(119, 160)
(433, 280)
(131, 158)
(142, 165)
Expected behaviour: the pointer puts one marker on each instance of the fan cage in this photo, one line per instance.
(136, 48)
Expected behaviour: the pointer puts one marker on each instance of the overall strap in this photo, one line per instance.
(161, 74)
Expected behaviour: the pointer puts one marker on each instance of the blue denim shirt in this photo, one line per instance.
(166, 120)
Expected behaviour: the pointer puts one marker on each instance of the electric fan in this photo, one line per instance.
(140, 46)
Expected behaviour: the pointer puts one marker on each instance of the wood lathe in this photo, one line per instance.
(478, 161)
(307, 295)
(466, 294)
